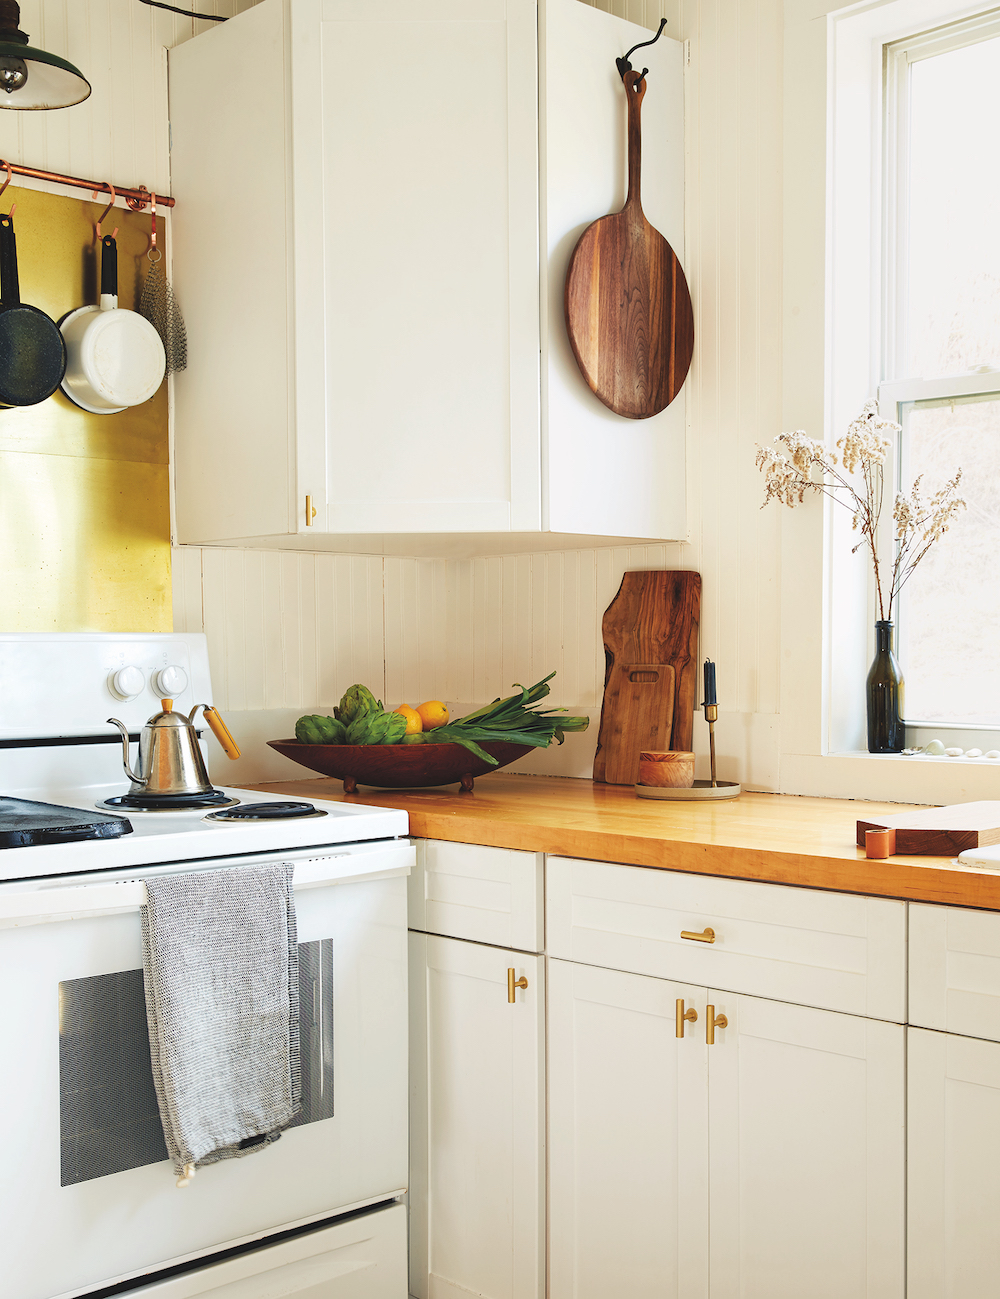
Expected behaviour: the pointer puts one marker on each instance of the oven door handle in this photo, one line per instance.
(41, 905)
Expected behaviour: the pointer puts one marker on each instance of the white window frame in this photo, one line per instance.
(832, 261)
(898, 58)
(895, 392)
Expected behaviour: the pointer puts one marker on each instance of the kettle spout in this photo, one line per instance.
(138, 780)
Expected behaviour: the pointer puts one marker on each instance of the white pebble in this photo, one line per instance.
(973, 753)
(953, 753)
(993, 753)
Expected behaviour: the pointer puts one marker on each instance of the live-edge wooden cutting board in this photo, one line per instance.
(650, 632)
(940, 831)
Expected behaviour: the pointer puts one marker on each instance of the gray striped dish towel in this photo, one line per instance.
(221, 971)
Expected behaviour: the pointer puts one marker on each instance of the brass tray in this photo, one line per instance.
(700, 790)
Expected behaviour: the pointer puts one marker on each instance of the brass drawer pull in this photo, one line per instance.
(707, 936)
(712, 1022)
(522, 982)
(683, 1014)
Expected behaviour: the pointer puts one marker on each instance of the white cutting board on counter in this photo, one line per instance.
(986, 858)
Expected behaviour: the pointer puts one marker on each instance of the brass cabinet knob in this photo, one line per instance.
(712, 1022)
(522, 982)
(706, 936)
(683, 1015)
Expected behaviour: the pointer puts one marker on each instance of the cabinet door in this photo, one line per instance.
(628, 1193)
(476, 1122)
(415, 127)
(953, 1165)
(806, 1113)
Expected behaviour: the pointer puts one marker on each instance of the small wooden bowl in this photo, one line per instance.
(399, 766)
(673, 769)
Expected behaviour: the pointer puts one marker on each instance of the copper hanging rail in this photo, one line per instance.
(137, 199)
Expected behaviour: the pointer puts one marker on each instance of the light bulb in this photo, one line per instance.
(13, 73)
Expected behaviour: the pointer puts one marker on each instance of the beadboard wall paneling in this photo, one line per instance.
(285, 630)
(185, 578)
(120, 133)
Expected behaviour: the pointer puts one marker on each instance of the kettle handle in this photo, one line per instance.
(137, 780)
(219, 729)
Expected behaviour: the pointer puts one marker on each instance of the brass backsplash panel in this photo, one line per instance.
(84, 499)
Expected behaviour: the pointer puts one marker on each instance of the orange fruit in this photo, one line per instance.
(432, 714)
(414, 724)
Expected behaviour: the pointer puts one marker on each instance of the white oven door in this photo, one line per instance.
(87, 1197)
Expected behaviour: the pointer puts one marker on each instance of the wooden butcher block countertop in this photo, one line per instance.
(779, 838)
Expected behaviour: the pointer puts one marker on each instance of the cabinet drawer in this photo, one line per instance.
(835, 951)
(489, 895)
(363, 1257)
(955, 970)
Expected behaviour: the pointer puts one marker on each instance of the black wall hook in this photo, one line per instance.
(623, 63)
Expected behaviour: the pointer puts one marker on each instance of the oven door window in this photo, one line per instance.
(108, 1116)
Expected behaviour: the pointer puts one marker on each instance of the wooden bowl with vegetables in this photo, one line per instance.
(363, 743)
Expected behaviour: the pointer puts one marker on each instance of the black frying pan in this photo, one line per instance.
(32, 351)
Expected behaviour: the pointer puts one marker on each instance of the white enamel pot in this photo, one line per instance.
(114, 357)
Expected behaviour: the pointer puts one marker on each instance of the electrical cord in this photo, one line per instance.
(185, 13)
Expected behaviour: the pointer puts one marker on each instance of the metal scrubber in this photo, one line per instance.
(158, 304)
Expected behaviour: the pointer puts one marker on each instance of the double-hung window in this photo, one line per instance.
(941, 359)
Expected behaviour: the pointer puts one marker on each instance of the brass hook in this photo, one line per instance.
(100, 219)
(10, 175)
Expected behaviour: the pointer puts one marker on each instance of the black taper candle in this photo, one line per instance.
(710, 682)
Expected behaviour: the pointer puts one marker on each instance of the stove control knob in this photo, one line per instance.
(126, 683)
(169, 682)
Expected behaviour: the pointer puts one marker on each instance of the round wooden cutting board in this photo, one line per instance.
(628, 309)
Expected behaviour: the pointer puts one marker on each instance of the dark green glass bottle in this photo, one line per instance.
(885, 696)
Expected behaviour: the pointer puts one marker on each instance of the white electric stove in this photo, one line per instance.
(88, 1201)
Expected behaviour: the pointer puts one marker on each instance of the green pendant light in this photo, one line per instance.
(29, 77)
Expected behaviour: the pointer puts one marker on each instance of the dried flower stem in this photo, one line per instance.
(918, 522)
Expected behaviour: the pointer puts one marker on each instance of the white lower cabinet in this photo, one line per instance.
(806, 1153)
(476, 1122)
(628, 1137)
(768, 1165)
(953, 1127)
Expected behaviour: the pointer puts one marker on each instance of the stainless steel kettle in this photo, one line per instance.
(170, 758)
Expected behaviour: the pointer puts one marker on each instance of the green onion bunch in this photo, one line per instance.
(513, 720)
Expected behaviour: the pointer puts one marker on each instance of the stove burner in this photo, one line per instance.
(169, 802)
(267, 812)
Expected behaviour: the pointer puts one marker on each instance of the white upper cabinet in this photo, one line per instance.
(376, 205)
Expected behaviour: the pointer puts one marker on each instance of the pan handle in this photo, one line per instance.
(109, 270)
(10, 289)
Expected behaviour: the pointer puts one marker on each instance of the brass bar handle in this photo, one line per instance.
(706, 936)
(513, 983)
(683, 1014)
(712, 1022)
